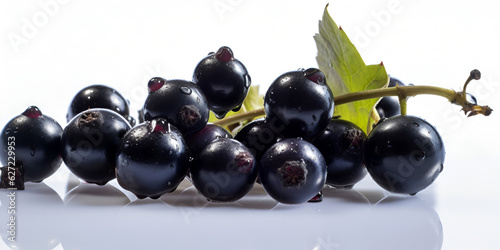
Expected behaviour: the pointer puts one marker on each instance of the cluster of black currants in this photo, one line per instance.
(293, 152)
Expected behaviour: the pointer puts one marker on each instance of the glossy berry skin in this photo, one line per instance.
(224, 171)
(258, 136)
(35, 141)
(90, 142)
(389, 106)
(341, 144)
(152, 159)
(301, 102)
(292, 171)
(223, 79)
(199, 140)
(180, 102)
(404, 154)
(100, 96)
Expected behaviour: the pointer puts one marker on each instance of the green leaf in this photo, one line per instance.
(346, 72)
(253, 101)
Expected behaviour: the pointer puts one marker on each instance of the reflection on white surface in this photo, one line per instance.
(108, 217)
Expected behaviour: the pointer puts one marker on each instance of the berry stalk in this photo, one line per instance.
(403, 92)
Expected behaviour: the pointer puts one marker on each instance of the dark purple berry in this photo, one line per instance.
(404, 154)
(100, 96)
(292, 171)
(223, 79)
(152, 159)
(301, 102)
(90, 142)
(199, 140)
(258, 136)
(341, 145)
(180, 102)
(224, 171)
(34, 139)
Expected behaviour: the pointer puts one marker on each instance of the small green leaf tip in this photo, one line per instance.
(346, 72)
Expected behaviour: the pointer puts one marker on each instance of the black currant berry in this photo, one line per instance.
(224, 171)
(224, 80)
(292, 171)
(258, 136)
(389, 106)
(34, 139)
(404, 154)
(199, 140)
(301, 102)
(100, 96)
(152, 159)
(90, 142)
(180, 102)
(341, 145)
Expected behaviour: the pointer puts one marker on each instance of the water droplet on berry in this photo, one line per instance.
(220, 114)
(389, 145)
(237, 108)
(32, 112)
(7, 131)
(248, 81)
(416, 124)
(420, 156)
(185, 90)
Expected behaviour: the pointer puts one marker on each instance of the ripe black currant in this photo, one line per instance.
(89, 144)
(152, 159)
(301, 102)
(34, 139)
(292, 171)
(199, 140)
(258, 136)
(223, 79)
(100, 96)
(341, 145)
(180, 102)
(224, 171)
(404, 154)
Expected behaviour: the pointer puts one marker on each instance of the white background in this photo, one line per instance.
(51, 49)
